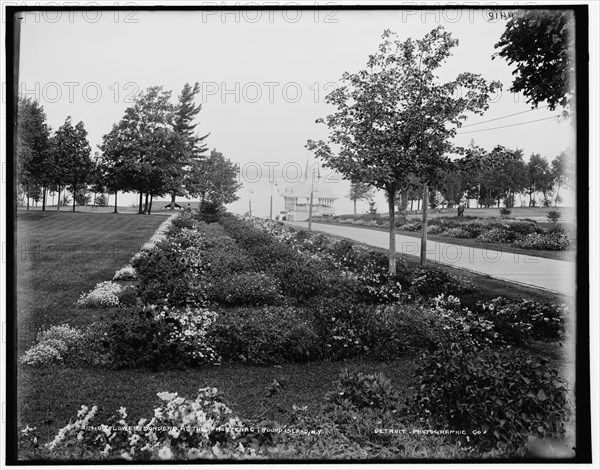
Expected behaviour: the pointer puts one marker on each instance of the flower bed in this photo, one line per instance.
(306, 297)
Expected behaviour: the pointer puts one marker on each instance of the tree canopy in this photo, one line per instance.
(72, 165)
(33, 148)
(395, 119)
(540, 43)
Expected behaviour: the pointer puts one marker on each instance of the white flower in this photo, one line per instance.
(165, 453)
(194, 454)
(166, 396)
(174, 432)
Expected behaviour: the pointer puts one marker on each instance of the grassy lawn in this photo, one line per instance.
(62, 254)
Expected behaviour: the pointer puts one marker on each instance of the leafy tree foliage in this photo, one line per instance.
(33, 149)
(394, 119)
(563, 172)
(541, 45)
(191, 146)
(540, 178)
(360, 191)
(142, 152)
(72, 166)
(214, 180)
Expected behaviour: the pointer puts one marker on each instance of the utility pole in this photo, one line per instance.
(424, 223)
(310, 207)
(250, 202)
(271, 205)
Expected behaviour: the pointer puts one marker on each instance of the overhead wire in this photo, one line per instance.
(509, 125)
(503, 117)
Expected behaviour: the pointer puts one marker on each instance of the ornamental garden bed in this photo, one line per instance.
(549, 240)
(249, 293)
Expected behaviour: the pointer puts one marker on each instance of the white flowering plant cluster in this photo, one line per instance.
(159, 235)
(189, 332)
(181, 429)
(53, 346)
(520, 322)
(105, 294)
(126, 273)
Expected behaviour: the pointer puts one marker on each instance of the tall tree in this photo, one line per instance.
(563, 172)
(508, 174)
(142, 152)
(71, 158)
(394, 119)
(33, 149)
(541, 45)
(360, 191)
(540, 178)
(213, 180)
(191, 146)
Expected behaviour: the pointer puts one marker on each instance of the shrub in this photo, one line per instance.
(505, 211)
(54, 346)
(182, 221)
(519, 322)
(401, 330)
(358, 391)
(430, 282)
(507, 396)
(498, 235)
(250, 288)
(126, 273)
(456, 232)
(414, 226)
(155, 338)
(299, 280)
(105, 294)
(553, 216)
(269, 335)
(225, 261)
(544, 241)
(171, 274)
(523, 228)
(101, 200)
(435, 229)
(474, 229)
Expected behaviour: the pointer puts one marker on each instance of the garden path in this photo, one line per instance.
(553, 275)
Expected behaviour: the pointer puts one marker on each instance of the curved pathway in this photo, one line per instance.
(553, 275)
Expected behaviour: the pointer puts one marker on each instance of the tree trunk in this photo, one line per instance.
(27, 193)
(411, 205)
(392, 215)
(354, 206)
(146, 204)
(173, 196)
(150, 206)
(74, 194)
(58, 200)
(116, 201)
(424, 223)
(419, 204)
(44, 198)
(140, 205)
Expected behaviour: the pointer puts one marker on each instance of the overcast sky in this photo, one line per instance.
(264, 75)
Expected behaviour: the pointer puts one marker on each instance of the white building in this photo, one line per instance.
(297, 201)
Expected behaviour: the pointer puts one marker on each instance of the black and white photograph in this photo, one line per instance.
(300, 233)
